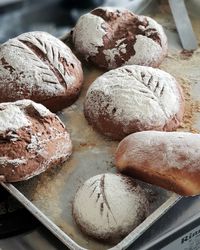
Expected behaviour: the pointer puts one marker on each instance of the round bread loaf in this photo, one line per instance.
(109, 206)
(32, 139)
(112, 37)
(134, 98)
(39, 67)
(168, 159)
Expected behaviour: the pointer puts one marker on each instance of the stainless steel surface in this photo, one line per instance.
(5, 3)
(185, 211)
(41, 239)
(38, 239)
(70, 243)
(137, 6)
(183, 24)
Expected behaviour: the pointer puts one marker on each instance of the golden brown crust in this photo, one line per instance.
(169, 160)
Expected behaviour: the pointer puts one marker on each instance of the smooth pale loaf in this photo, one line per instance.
(109, 206)
(168, 159)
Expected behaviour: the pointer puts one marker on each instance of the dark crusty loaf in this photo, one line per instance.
(39, 67)
(167, 159)
(109, 206)
(32, 139)
(112, 37)
(134, 98)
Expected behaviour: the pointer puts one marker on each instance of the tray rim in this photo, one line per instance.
(69, 242)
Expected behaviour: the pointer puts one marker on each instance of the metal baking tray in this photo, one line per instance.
(49, 196)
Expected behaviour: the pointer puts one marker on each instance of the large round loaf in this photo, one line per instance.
(112, 37)
(32, 139)
(39, 67)
(168, 159)
(134, 98)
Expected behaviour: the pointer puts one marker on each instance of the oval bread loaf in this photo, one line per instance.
(168, 159)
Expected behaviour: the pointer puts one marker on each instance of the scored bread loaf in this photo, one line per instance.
(109, 206)
(134, 98)
(38, 66)
(168, 159)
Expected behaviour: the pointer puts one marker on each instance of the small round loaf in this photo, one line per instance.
(39, 67)
(32, 139)
(112, 37)
(134, 98)
(168, 159)
(109, 206)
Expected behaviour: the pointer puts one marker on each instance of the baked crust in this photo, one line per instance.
(167, 159)
(32, 139)
(112, 37)
(134, 98)
(39, 67)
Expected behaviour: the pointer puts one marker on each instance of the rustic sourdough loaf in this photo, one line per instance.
(134, 98)
(39, 67)
(32, 139)
(112, 37)
(167, 159)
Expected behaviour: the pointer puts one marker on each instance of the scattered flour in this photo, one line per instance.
(12, 117)
(88, 33)
(4, 161)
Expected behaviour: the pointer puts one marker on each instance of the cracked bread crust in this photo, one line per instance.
(32, 139)
(39, 67)
(105, 214)
(134, 98)
(111, 37)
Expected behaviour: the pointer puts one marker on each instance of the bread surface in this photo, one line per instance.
(32, 139)
(112, 37)
(39, 67)
(134, 98)
(109, 206)
(168, 159)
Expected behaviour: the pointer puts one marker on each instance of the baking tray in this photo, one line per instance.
(49, 196)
